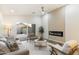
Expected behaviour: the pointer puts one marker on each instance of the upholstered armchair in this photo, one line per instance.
(40, 43)
(69, 48)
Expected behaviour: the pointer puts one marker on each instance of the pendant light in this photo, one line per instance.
(43, 12)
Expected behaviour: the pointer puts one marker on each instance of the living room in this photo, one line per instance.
(39, 29)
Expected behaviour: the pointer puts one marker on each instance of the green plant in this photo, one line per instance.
(41, 31)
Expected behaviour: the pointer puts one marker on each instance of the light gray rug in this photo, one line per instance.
(36, 50)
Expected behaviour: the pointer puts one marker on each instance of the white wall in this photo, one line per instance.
(36, 20)
(45, 25)
(72, 22)
(1, 22)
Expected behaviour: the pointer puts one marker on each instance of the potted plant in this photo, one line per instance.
(41, 31)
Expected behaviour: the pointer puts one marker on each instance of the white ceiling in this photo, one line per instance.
(26, 9)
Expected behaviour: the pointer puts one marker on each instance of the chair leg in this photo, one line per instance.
(53, 51)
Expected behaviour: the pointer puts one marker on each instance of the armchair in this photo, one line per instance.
(40, 43)
(69, 48)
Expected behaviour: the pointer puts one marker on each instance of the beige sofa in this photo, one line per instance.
(19, 52)
(5, 49)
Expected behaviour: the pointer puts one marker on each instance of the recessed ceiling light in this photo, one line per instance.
(12, 11)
